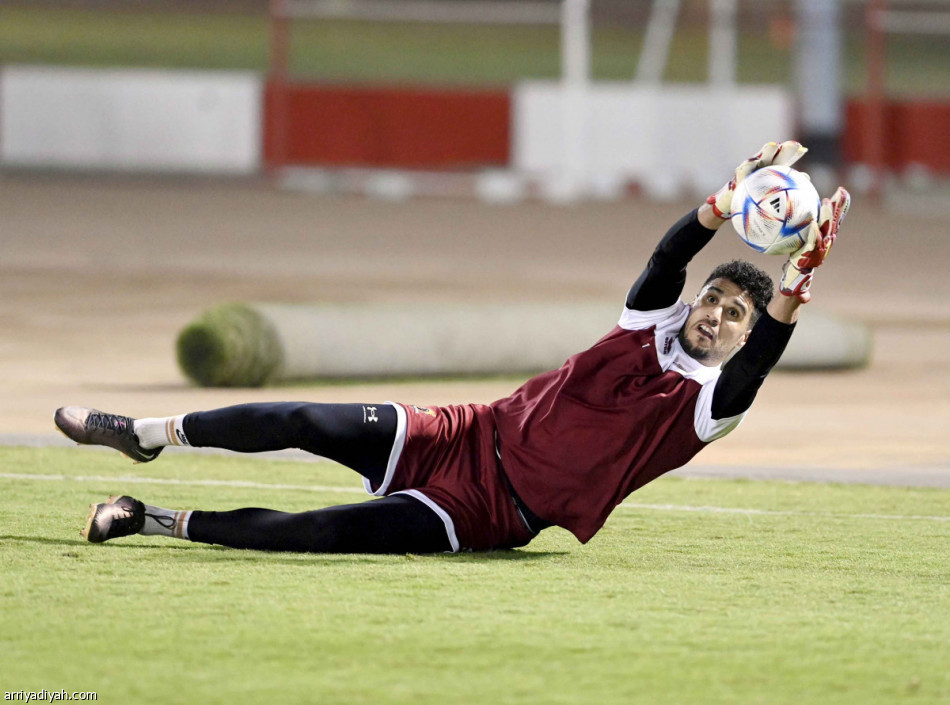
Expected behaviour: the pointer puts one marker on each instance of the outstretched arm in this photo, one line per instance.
(662, 282)
(744, 373)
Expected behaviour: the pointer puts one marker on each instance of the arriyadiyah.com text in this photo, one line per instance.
(50, 696)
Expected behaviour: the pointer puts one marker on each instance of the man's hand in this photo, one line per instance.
(784, 154)
(799, 269)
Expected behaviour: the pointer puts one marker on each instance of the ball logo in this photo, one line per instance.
(773, 209)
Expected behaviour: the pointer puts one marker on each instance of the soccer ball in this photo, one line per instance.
(772, 209)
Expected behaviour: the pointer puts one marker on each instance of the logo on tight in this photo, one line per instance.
(422, 410)
(369, 414)
(166, 522)
(181, 436)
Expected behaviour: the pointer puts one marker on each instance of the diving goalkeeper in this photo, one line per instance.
(563, 450)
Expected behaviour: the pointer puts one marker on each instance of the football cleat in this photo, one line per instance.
(119, 516)
(92, 427)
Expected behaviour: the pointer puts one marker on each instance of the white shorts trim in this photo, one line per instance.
(394, 455)
(443, 515)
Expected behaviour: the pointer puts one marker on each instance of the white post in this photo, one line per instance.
(575, 80)
(818, 84)
(575, 41)
(723, 51)
(656, 43)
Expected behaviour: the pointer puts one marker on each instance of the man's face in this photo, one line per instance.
(718, 322)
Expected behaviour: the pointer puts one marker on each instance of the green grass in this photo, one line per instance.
(349, 51)
(819, 593)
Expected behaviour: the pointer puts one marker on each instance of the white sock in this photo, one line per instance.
(165, 431)
(165, 522)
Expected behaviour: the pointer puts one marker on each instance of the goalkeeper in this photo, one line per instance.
(564, 449)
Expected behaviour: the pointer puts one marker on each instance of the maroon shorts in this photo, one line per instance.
(448, 461)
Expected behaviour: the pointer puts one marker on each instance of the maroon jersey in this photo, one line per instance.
(574, 442)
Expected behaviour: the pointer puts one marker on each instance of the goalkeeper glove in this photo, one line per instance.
(798, 271)
(784, 154)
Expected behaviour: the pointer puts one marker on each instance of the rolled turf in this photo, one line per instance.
(233, 345)
(255, 344)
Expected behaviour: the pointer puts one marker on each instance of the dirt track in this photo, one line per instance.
(98, 275)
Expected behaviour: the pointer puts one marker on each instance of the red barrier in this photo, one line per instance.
(915, 132)
(313, 124)
(386, 127)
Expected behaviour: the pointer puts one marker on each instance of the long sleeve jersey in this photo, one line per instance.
(575, 441)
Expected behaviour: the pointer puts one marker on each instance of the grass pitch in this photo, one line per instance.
(695, 592)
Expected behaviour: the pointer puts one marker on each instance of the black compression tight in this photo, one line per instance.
(396, 524)
(359, 436)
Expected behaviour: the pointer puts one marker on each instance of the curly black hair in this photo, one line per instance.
(751, 279)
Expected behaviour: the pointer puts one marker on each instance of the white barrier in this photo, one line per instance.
(669, 139)
(131, 119)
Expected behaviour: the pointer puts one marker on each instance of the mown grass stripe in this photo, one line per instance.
(355, 490)
(174, 481)
(776, 512)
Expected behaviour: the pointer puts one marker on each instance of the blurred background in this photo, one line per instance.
(560, 98)
(161, 157)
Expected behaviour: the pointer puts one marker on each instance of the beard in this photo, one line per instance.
(698, 354)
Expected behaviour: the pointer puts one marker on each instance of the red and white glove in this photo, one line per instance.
(798, 271)
(784, 154)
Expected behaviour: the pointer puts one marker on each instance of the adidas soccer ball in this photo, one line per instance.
(772, 209)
